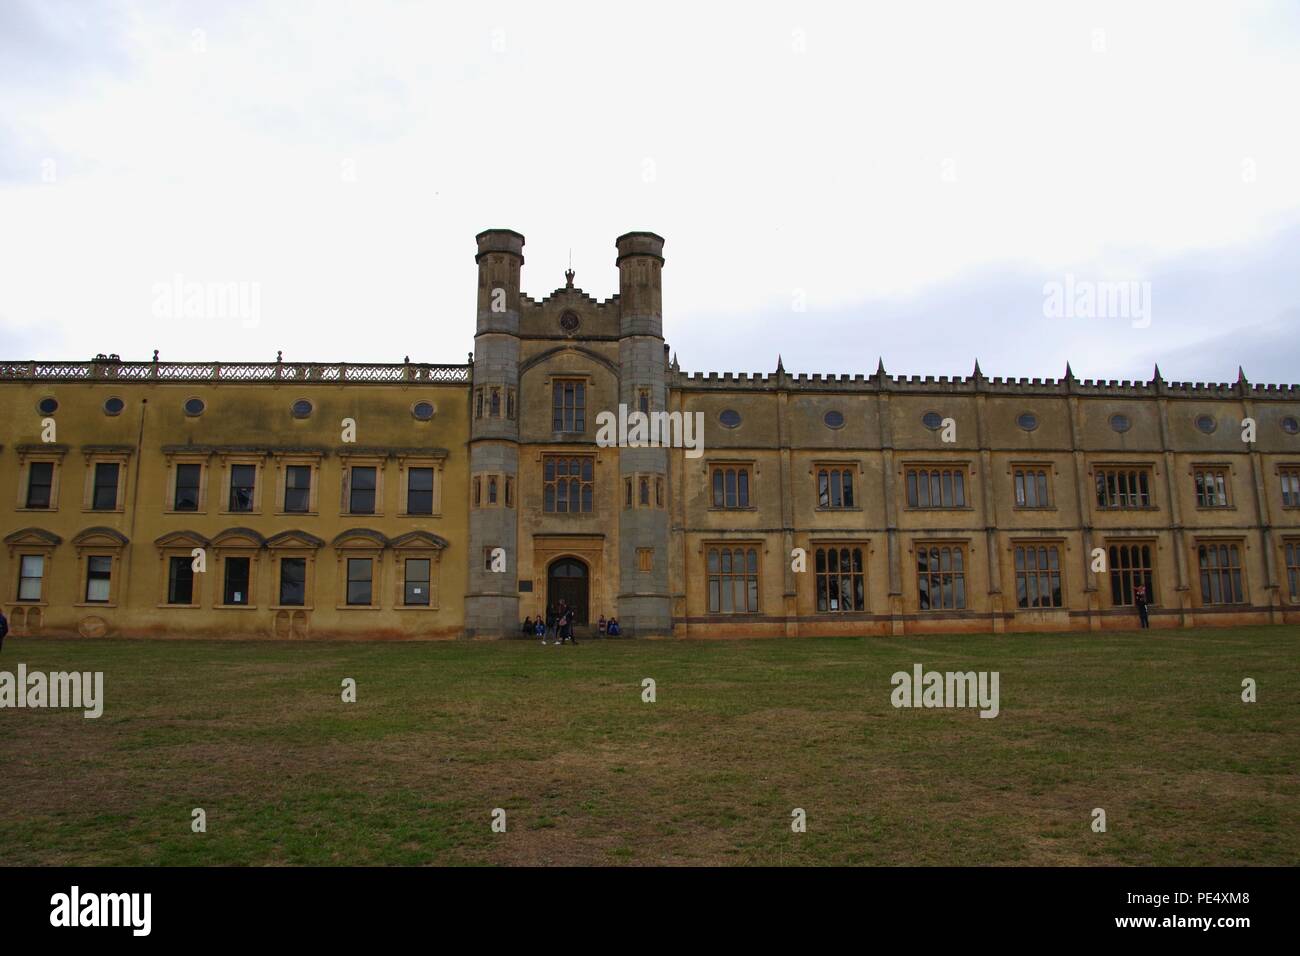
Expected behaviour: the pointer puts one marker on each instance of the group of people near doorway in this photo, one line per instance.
(558, 625)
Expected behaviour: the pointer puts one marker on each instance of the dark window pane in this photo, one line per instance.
(242, 481)
(105, 492)
(187, 487)
(293, 582)
(40, 481)
(180, 581)
(419, 491)
(236, 583)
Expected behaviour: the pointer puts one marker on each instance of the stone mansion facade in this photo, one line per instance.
(398, 501)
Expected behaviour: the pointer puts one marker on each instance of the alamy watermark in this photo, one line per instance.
(84, 691)
(923, 688)
(1090, 299)
(215, 301)
(639, 429)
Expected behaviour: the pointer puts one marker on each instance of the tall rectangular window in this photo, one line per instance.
(732, 580)
(416, 590)
(40, 484)
(1031, 488)
(1290, 487)
(1123, 489)
(235, 586)
(419, 491)
(1220, 564)
(1211, 487)
(1131, 567)
(180, 580)
(1038, 576)
(99, 578)
(569, 406)
(297, 488)
(243, 482)
(293, 582)
(936, 488)
(841, 583)
(187, 487)
(361, 490)
(104, 494)
(1292, 560)
(731, 486)
(568, 483)
(835, 488)
(941, 577)
(31, 576)
(360, 571)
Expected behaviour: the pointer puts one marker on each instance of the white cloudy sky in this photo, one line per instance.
(912, 173)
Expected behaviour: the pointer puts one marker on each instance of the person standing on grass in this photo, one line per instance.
(540, 629)
(600, 626)
(1140, 599)
(527, 629)
(550, 621)
(4, 629)
(561, 622)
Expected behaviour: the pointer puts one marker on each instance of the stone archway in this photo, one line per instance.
(569, 579)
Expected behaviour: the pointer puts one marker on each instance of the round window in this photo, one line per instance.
(1290, 425)
(114, 406)
(423, 411)
(47, 406)
(1206, 423)
(932, 420)
(833, 419)
(302, 408)
(730, 418)
(194, 407)
(1120, 422)
(569, 321)
(1028, 421)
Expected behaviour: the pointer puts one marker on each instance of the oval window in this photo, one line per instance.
(730, 418)
(47, 406)
(1120, 422)
(423, 411)
(1028, 421)
(1290, 425)
(194, 407)
(1206, 423)
(932, 420)
(833, 419)
(302, 408)
(114, 406)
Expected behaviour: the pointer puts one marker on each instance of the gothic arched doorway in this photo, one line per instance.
(567, 580)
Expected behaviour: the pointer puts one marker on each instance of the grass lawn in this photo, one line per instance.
(1149, 726)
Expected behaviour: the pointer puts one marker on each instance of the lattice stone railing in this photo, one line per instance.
(233, 372)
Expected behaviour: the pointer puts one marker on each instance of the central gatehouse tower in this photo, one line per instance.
(552, 514)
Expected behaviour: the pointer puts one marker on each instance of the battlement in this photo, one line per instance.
(977, 382)
(526, 301)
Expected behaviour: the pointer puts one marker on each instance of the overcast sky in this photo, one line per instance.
(835, 182)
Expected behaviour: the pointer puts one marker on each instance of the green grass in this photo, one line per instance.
(1149, 726)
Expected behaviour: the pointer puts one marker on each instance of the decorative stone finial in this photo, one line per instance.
(1155, 375)
(568, 277)
(780, 365)
(1241, 376)
(155, 355)
(880, 366)
(977, 373)
(1069, 373)
(279, 356)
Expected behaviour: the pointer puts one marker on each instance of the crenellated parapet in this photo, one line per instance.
(781, 380)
